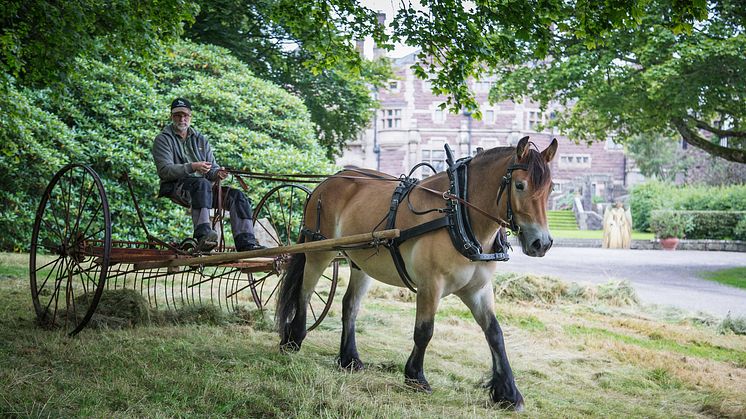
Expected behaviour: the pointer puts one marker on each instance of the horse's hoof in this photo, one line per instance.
(289, 347)
(353, 365)
(418, 385)
(516, 405)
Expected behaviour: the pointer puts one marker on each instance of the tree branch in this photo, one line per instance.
(720, 132)
(694, 138)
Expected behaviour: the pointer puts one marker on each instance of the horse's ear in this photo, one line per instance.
(522, 148)
(550, 151)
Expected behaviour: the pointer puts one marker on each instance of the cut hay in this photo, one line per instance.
(548, 290)
(618, 293)
(117, 309)
(125, 308)
(735, 325)
(533, 288)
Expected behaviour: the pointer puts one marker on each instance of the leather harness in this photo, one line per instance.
(456, 218)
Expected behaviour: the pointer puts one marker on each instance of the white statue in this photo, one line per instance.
(617, 227)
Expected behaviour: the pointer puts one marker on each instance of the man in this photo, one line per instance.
(187, 168)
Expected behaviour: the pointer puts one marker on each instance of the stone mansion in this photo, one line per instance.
(410, 128)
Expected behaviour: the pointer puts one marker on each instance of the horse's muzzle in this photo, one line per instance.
(540, 248)
(536, 242)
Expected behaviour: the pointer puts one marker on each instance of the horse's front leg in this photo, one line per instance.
(427, 305)
(502, 385)
(358, 286)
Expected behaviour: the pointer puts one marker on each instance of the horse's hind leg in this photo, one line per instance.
(358, 286)
(502, 385)
(427, 305)
(294, 298)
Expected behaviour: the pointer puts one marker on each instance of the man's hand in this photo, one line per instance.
(201, 166)
(222, 174)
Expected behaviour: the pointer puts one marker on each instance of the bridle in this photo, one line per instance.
(506, 181)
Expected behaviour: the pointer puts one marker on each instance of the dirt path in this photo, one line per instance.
(659, 277)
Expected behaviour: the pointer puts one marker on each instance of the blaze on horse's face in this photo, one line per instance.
(530, 190)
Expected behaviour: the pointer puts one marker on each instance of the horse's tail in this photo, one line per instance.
(288, 300)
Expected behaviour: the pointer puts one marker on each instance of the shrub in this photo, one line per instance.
(717, 225)
(739, 231)
(108, 117)
(646, 198)
(666, 224)
(655, 195)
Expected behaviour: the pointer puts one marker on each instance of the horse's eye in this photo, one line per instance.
(520, 186)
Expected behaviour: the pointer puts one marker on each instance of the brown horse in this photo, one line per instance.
(351, 203)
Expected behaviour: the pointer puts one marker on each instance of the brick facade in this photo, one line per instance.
(410, 128)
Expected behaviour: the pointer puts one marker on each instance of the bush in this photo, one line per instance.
(107, 117)
(716, 225)
(646, 198)
(650, 196)
(739, 231)
(666, 224)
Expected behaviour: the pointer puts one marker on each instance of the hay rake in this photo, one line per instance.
(73, 258)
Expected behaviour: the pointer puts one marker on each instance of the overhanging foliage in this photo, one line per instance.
(648, 79)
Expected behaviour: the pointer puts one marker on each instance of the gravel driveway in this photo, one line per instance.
(658, 276)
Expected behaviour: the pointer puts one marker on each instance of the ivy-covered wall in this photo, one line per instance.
(108, 119)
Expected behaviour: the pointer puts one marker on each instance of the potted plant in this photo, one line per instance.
(669, 227)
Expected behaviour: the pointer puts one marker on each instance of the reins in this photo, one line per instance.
(446, 195)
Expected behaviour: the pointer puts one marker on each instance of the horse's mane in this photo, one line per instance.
(538, 169)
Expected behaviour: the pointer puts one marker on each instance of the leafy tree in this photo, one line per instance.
(108, 118)
(653, 79)
(300, 45)
(658, 156)
(459, 42)
(41, 39)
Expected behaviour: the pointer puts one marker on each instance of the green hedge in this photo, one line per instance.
(716, 225)
(655, 195)
(699, 225)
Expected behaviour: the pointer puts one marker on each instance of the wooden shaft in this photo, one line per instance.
(315, 246)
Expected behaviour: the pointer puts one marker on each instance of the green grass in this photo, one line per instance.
(570, 359)
(655, 342)
(735, 277)
(595, 234)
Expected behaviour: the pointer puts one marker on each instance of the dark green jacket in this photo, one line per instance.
(173, 157)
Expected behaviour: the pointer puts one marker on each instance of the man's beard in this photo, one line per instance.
(180, 127)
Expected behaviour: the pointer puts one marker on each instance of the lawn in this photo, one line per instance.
(735, 277)
(576, 351)
(595, 234)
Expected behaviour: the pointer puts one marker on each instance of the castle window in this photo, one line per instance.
(489, 116)
(436, 157)
(391, 118)
(535, 119)
(575, 161)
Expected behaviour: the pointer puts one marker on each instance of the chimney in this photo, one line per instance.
(378, 52)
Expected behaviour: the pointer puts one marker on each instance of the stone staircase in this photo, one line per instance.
(562, 220)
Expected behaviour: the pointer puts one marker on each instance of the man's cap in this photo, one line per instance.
(181, 105)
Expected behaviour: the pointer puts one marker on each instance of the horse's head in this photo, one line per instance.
(530, 189)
